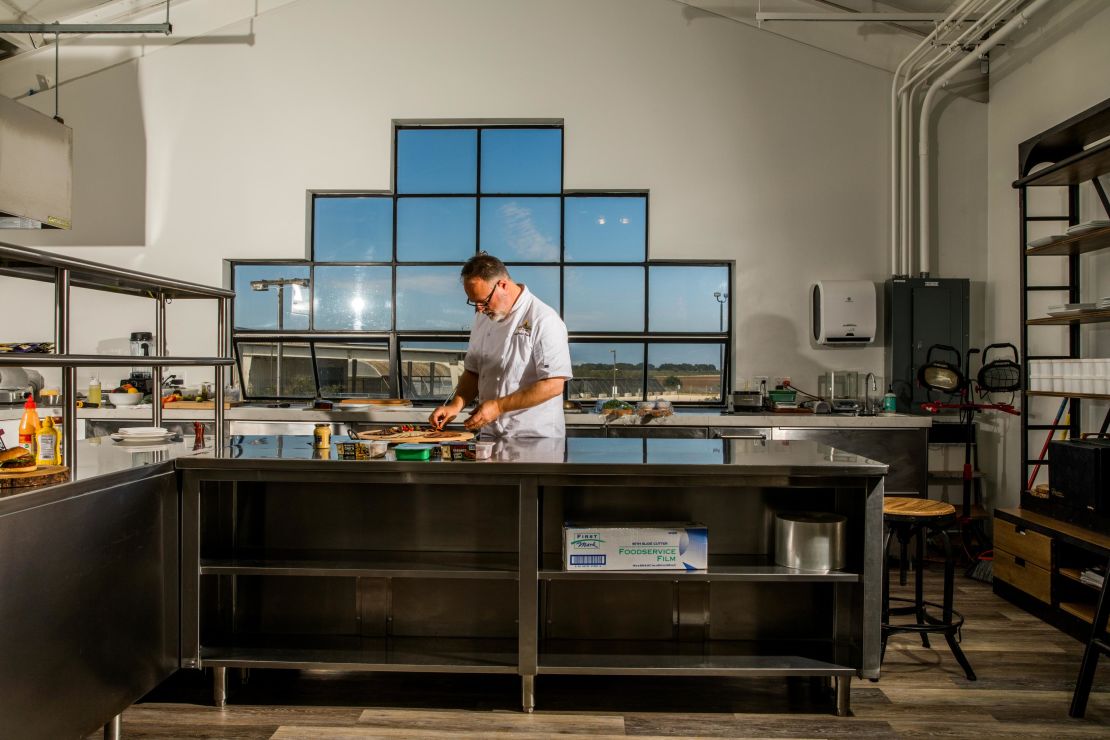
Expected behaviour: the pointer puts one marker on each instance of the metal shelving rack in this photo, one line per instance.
(1074, 158)
(67, 273)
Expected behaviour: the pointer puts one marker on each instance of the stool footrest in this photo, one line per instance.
(931, 623)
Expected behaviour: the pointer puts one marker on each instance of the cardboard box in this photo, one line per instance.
(650, 546)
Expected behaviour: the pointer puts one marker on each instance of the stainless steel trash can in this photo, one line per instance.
(810, 540)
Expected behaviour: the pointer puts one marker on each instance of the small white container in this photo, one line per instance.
(1039, 384)
(483, 450)
(1086, 385)
(378, 448)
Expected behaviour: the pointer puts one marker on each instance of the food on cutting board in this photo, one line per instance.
(615, 407)
(17, 460)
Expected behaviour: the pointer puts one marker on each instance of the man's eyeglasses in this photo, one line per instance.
(476, 304)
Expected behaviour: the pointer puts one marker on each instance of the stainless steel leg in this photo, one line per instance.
(528, 693)
(219, 686)
(843, 696)
(112, 729)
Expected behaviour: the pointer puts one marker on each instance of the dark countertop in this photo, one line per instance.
(524, 456)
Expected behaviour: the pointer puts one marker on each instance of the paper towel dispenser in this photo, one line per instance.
(844, 312)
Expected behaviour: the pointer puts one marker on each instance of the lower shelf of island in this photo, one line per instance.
(721, 568)
(710, 658)
(403, 654)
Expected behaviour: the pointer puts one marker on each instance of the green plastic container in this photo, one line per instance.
(413, 451)
(782, 395)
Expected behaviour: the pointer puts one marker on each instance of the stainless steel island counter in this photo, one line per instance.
(291, 561)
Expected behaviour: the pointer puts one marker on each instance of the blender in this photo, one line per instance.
(142, 345)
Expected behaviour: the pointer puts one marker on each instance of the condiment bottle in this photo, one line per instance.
(59, 433)
(321, 436)
(94, 391)
(46, 442)
(28, 425)
(890, 401)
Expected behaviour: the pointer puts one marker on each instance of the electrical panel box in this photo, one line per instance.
(921, 312)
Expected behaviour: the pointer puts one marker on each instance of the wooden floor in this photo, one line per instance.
(1026, 674)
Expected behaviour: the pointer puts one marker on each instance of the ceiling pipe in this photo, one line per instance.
(907, 96)
(924, 235)
(897, 265)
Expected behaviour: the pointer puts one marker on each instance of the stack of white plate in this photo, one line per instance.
(1086, 226)
(1067, 309)
(142, 436)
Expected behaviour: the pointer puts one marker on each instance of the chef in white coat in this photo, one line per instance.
(517, 362)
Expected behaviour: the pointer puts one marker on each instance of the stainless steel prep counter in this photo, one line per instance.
(294, 562)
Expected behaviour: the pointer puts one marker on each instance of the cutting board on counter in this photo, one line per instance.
(198, 404)
(374, 402)
(416, 436)
(45, 475)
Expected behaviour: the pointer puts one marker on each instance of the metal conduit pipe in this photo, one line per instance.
(907, 95)
(896, 141)
(1019, 20)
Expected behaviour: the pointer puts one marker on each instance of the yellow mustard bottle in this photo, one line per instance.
(46, 442)
(60, 456)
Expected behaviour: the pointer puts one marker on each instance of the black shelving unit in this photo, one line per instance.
(1074, 157)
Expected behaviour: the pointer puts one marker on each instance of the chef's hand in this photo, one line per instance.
(441, 416)
(486, 412)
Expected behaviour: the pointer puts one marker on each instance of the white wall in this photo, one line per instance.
(1053, 71)
(754, 148)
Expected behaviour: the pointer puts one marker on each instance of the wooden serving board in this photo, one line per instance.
(375, 402)
(436, 439)
(46, 474)
(198, 404)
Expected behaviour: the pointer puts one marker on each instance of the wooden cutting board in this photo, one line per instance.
(372, 434)
(197, 404)
(375, 402)
(46, 474)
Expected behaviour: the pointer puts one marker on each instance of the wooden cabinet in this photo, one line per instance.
(1039, 564)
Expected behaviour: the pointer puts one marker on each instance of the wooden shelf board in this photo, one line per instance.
(1061, 394)
(1086, 612)
(1084, 317)
(1080, 167)
(1073, 574)
(1091, 241)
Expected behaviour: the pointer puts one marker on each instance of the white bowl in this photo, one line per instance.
(125, 399)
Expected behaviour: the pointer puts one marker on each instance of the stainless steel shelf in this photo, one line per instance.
(367, 564)
(26, 359)
(407, 654)
(721, 568)
(33, 264)
(655, 661)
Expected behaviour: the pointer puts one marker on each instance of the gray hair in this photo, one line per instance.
(484, 266)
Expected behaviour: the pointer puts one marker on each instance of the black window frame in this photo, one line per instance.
(394, 337)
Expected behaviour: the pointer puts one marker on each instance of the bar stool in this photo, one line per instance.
(906, 518)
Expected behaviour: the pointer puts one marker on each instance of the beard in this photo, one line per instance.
(496, 315)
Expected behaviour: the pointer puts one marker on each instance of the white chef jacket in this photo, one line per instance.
(529, 345)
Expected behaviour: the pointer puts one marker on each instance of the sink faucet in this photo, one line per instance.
(870, 383)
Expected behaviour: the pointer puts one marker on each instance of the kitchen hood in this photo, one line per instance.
(36, 169)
